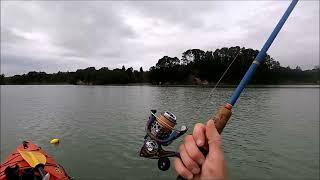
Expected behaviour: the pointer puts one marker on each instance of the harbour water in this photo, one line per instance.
(273, 133)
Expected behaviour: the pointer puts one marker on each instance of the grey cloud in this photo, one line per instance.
(66, 35)
(85, 28)
(187, 14)
(15, 64)
(9, 36)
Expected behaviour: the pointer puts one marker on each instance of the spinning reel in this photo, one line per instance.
(160, 132)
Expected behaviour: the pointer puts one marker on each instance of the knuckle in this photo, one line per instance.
(211, 170)
(198, 125)
(216, 141)
(179, 167)
(188, 138)
(189, 165)
(176, 163)
(181, 148)
(194, 154)
(217, 138)
(184, 172)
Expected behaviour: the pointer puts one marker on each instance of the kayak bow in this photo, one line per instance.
(29, 161)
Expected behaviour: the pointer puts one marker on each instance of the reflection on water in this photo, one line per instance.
(274, 132)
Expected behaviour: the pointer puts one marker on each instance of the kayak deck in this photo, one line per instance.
(15, 162)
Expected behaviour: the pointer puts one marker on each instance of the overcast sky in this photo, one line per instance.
(64, 36)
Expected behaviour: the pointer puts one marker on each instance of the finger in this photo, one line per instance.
(199, 134)
(181, 169)
(214, 138)
(190, 164)
(193, 150)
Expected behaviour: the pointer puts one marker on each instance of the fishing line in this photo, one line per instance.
(201, 107)
(197, 115)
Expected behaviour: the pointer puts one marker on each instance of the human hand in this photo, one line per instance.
(192, 164)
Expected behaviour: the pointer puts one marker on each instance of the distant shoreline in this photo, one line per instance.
(249, 86)
(187, 85)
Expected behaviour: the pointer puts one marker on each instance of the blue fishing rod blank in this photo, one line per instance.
(262, 54)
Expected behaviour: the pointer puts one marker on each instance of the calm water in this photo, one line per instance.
(274, 132)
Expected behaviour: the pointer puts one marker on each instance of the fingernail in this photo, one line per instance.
(199, 142)
(190, 177)
(201, 161)
(195, 170)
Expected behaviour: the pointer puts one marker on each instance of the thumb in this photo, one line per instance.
(213, 137)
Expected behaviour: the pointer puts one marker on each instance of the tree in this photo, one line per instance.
(2, 80)
(167, 62)
(192, 55)
(195, 64)
(166, 70)
(129, 73)
(298, 68)
(140, 76)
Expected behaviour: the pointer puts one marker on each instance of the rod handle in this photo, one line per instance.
(222, 117)
(220, 120)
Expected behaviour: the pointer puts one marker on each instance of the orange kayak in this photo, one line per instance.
(15, 167)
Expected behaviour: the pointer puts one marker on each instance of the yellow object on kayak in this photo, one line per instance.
(33, 158)
(54, 141)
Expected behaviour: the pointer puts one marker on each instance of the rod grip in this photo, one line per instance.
(222, 117)
(220, 120)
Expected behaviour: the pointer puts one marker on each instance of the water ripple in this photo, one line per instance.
(272, 132)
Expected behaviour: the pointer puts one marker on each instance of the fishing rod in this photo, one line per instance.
(160, 130)
(224, 113)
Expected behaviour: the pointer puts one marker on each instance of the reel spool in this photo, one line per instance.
(163, 125)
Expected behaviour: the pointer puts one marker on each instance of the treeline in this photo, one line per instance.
(195, 67)
(88, 76)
